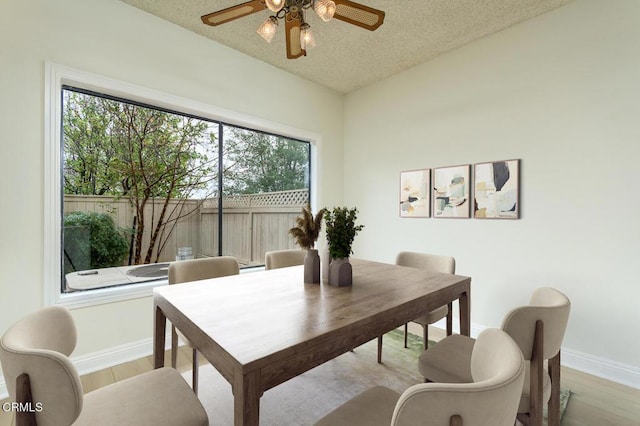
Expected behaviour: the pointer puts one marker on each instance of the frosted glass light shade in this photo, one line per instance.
(306, 37)
(268, 28)
(275, 5)
(325, 9)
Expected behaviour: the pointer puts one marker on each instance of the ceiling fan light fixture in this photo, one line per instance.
(268, 28)
(325, 9)
(275, 5)
(298, 35)
(306, 37)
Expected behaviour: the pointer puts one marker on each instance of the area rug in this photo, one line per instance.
(310, 396)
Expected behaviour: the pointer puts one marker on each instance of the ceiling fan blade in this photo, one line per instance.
(292, 30)
(358, 14)
(233, 12)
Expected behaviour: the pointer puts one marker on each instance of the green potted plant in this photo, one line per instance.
(306, 234)
(341, 231)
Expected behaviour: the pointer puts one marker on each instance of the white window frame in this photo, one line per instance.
(56, 76)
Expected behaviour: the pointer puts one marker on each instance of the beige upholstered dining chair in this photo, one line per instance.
(34, 355)
(497, 369)
(433, 263)
(538, 329)
(193, 270)
(283, 258)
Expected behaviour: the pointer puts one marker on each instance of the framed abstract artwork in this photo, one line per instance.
(451, 187)
(497, 190)
(414, 193)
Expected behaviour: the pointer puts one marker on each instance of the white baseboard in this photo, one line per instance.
(600, 367)
(100, 360)
(613, 371)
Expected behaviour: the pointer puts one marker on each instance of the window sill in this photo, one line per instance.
(81, 299)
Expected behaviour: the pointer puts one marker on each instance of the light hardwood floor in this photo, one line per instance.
(594, 401)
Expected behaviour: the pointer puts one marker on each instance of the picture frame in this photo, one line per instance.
(415, 200)
(451, 192)
(497, 190)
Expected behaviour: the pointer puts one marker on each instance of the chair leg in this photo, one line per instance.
(523, 418)
(450, 319)
(425, 337)
(406, 332)
(194, 378)
(380, 349)
(174, 346)
(536, 376)
(23, 396)
(554, 399)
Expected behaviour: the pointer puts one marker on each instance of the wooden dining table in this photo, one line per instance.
(260, 329)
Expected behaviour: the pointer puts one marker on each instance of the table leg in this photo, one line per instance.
(246, 398)
(159, 326)
(465, 314)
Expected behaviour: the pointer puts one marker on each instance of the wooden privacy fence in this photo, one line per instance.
(251, 224)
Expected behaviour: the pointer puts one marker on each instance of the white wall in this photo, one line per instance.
(562, 93)
(114, 40)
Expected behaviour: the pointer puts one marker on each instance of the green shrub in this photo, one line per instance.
(91, 241)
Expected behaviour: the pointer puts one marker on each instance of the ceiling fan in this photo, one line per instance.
(292, 12)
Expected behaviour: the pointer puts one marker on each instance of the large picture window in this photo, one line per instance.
(142, 186)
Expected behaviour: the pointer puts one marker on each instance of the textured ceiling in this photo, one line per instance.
(347, 57)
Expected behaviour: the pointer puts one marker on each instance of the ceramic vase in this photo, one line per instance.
(340, 272)
(312, 267)
(325, 261)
